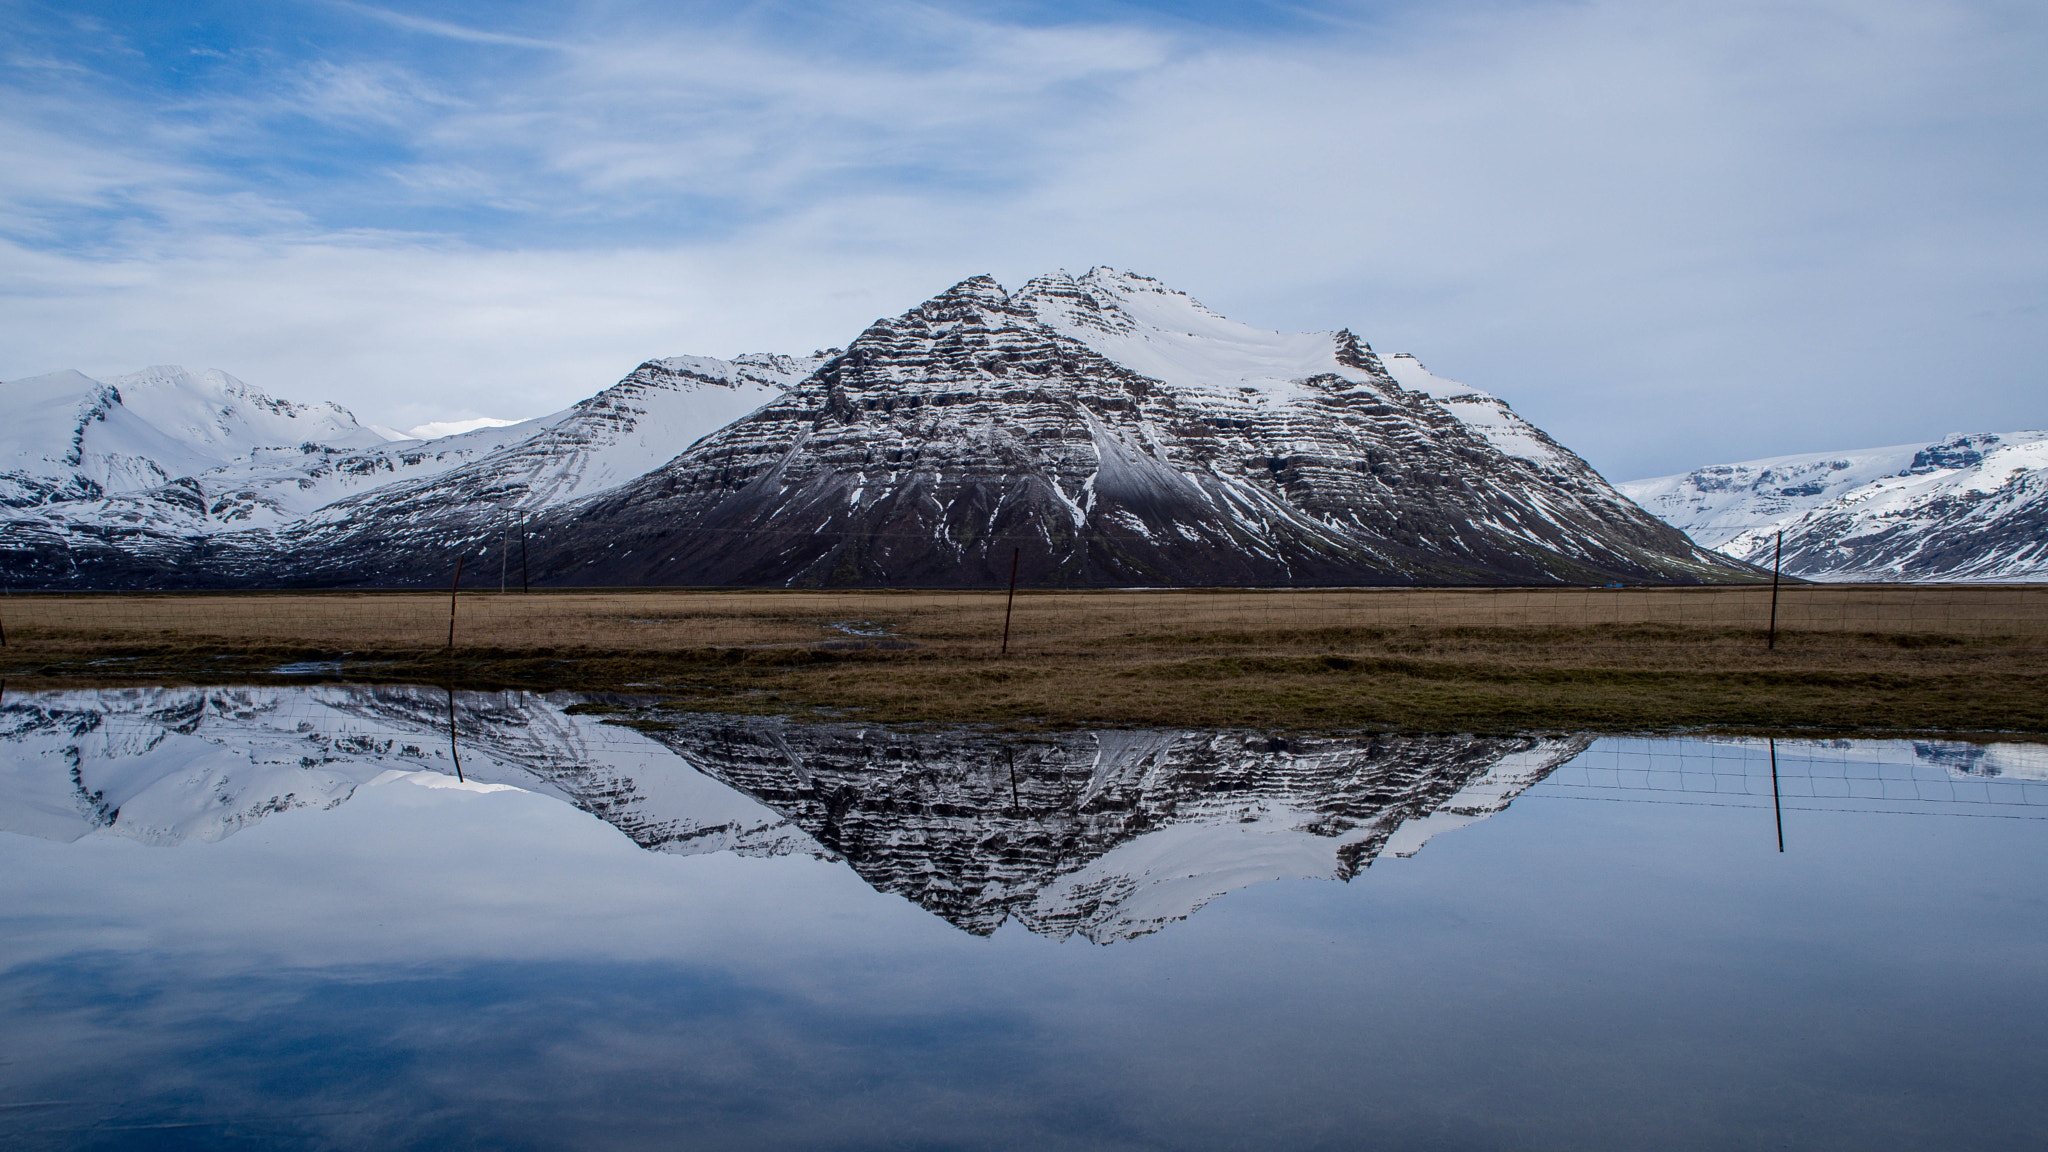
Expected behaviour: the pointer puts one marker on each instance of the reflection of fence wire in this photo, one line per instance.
(1889, 778)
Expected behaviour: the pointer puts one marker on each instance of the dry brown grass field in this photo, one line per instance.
(1847, 657)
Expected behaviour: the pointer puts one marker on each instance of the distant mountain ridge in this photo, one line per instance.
(232, 517)
(1971, 507)
(1106, 429)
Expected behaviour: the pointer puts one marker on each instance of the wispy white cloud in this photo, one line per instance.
(365, 92)
(446, 29)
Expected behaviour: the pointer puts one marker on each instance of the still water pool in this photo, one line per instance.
(276, 918)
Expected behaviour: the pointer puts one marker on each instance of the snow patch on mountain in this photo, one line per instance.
(1717, 503)
(1171, 337)
(619, 435)
(1483, 412)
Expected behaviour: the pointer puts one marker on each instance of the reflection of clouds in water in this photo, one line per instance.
(540, 1055)
(2011, 761)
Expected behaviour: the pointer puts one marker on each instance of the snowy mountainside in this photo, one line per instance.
(1486, 414)
(1142, 324)
(1969, 507)
(233, 511)
(659, 409)
(69, 436)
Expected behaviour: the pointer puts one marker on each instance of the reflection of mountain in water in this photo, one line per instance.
(1103, 834)
(166, 765)
(1107, 834)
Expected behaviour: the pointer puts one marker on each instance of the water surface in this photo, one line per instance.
(276, 917)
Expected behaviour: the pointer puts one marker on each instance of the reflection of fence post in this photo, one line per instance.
(454, 753)
(452, 586)
(1776, 809)
(1012, 602)
(1777, 552)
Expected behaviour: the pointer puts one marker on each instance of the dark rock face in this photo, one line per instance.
(1956, 452)
(983, 423)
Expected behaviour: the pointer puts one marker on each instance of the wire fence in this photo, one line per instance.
(1029, 621)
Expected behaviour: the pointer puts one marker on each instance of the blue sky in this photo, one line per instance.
(1671, 234)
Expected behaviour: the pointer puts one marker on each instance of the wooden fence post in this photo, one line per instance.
(1777, 553)
(452, 586)
(1014, 554)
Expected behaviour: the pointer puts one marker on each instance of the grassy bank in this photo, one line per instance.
(1868, 660)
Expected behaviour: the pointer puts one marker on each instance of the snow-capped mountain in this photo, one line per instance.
(225, 518)
(70, 437)
(620, 434)
(1111, 431)
(1971, 507)
(1106, 428)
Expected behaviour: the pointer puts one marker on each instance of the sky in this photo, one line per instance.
(1670, 234)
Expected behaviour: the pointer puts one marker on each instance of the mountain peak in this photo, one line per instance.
(969, 299)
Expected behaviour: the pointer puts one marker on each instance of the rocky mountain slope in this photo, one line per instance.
(1103, 429)
(1971, 507)
(1109, 431)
